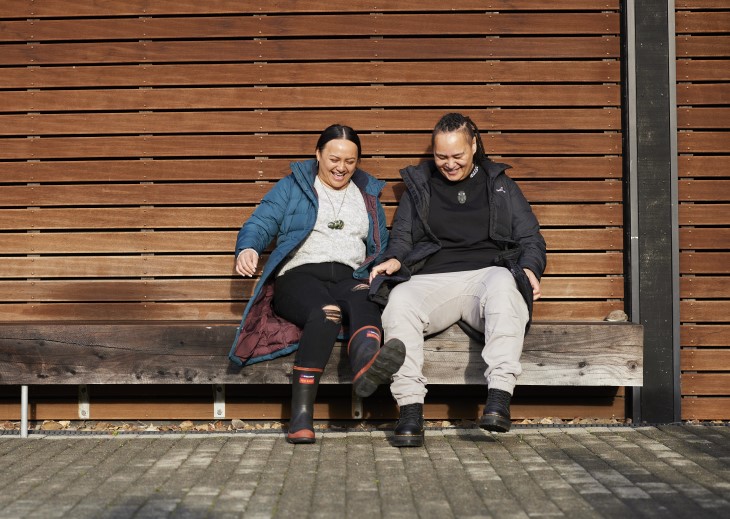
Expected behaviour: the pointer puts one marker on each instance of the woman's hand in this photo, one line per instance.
(386, 267)
(536, 290)
(246, 262)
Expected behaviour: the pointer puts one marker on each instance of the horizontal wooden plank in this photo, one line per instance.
(553, 354)
(149, 312)
(704, 190)
(85, 267)
(703, 166)
(707, 408)
(223, 241)
(574, 215)
(150, 290)
(703, 118)
(207, 289)
(545, 310)
(293, 121)
(710, 335)
(582, 287)
(258, 145)
(688, 22)
(300, 97)
(717, 311)
(241, 74)
(221, 265)
(117, 242)
(63, 8)
(124, 218)
(307, 25)
(702, 46)
(703, 70)
(336, 49)
(252, 193)
(156, 405)
(704, 141)
(704, 262)
(699, 4)
(702, 94)
(562, 263)
(717, 384)
(704, 214)
(704, 287)
(704, 238)
(614, 358)
(705, 360)
(273, 169)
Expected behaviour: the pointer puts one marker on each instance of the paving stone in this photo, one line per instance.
(663, 471)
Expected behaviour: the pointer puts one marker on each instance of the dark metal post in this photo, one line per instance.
(651, 160)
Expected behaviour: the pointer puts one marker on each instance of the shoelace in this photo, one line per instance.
(411, 412)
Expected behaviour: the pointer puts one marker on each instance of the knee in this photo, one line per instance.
(332, 314)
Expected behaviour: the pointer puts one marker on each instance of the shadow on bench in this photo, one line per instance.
(555, 354)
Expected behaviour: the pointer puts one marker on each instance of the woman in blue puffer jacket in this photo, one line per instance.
(330, 229)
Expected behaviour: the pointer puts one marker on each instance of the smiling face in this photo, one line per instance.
(453, 153)
(337, 163)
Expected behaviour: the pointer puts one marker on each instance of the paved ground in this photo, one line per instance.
(626, 472)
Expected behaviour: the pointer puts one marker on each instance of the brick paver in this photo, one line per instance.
(662, 471)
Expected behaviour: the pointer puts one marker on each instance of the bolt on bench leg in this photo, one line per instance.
(356, 405)
(219, 401)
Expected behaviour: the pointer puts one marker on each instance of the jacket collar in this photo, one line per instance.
(418, 176)
(306, 171)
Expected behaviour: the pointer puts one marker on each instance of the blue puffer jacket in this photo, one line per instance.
(288, 213)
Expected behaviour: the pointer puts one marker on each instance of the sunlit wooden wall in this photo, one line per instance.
(136, 136)
(703, 120)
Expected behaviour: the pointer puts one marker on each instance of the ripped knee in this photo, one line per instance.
(361, 286)
(332, 313)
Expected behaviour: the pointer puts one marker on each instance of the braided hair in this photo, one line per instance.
(457, 122)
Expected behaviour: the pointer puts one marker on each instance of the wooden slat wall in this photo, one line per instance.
(703, 119)
(137, 136)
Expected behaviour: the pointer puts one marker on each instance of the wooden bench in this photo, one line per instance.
(555, 354)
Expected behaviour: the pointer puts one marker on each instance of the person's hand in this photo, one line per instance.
(386, 267)
(246, 262)
(536, 290)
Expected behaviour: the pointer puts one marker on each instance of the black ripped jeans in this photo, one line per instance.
(300, 296)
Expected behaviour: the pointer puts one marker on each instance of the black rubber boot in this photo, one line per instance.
(305, 382)
(409, 430)
(372, 365)
(496, 416)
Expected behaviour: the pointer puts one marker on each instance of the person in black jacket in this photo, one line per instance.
(464, 247)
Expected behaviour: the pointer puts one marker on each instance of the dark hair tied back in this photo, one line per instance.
(339, 131)
(457, 122)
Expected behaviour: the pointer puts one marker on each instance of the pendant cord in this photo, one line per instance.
(336, 223)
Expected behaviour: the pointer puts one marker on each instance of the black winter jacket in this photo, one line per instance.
(512, 226)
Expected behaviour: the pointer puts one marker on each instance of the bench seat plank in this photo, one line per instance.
(563, 354)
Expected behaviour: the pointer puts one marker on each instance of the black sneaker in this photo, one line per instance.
(409, 430)
(496, 413)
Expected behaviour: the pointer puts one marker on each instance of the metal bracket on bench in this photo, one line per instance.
(84, 403)
(356, 407)
(23, 411)
(219, 401)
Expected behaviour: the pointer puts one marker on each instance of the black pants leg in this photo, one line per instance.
(300, 296)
